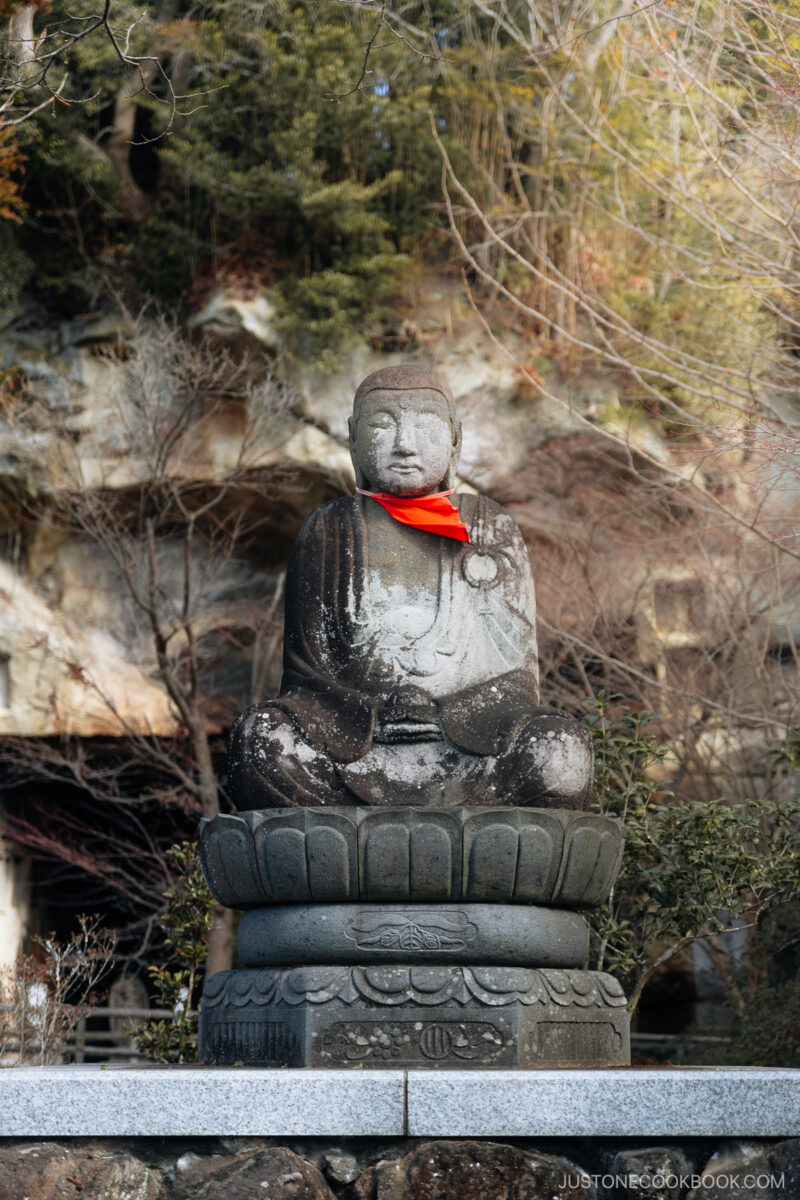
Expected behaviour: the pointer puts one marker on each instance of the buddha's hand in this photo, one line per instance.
(408, 715)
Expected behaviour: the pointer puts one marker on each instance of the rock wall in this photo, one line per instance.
(78, 655)
(621, 575)
(246, 1169)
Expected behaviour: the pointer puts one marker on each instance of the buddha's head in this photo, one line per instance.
(404, 436)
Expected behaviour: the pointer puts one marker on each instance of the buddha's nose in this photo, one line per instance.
(405, 440)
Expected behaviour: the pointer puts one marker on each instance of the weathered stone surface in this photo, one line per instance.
(91, 689)
(234, 319)
(46, 1171)
(410, 657)
(751, 1171)
(341, 1168)
(650, 1173)
(274, 1173)
(396, 1016)
(40, 1171)
(496, 855)
(479, 1171)
(505, 934)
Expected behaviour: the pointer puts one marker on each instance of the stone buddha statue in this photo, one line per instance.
(410, 659)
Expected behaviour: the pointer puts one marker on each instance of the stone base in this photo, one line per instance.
(165, 1101)
(401, 1016)
(485, 934)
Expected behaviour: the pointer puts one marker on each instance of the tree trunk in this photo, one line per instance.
(21, 36)
(132, 203)
(220, 942)
(220, 935)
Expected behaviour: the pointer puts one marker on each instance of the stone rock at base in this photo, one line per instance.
(364, 1187)
(751, 1171)
(46, 1171)
(113, 1176)
(275, 1174)
(784, 1159)
(650, 1163)
(40, 1171)
(341, 1168)
(479, 1171)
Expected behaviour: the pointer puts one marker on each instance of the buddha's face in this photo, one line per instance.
(404, 443)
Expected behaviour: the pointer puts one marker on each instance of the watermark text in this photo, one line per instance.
(671, 1182)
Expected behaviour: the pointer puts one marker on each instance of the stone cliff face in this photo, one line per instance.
(71, 639)
(76, 656)
(105, 419)
(615, 548)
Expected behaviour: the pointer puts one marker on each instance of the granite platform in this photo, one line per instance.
(120, 1101)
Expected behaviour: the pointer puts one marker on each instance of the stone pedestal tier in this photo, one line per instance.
(467, 934)
(419, 855)
(438, 937)
(403, 1016)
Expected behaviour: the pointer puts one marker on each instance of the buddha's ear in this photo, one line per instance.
(456, 454)
(351, 428)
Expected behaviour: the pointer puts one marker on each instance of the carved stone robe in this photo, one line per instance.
(354, 651)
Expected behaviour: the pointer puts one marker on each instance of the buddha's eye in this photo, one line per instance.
(431, 423)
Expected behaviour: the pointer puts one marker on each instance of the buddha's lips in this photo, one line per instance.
(432, 514)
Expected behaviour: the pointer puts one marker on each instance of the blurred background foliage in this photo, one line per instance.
(300, 157)
(266, 176)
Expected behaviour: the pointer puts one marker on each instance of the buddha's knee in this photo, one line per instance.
(254, 733)
(556, 761)
(260, 748)
(270, 765)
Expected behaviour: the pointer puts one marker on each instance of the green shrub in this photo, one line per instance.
(187, 918)
(688, 864)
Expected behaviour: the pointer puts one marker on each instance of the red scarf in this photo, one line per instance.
(433, 514)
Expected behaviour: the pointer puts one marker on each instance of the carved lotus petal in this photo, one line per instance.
(481, 855)
(388, 979)
(314, 979)
(504, 979)
(559, 982)
(430, 979)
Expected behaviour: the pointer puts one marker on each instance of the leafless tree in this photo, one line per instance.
(35, 63)
(44, 995)
(173, 532)
(630, 210)
(666, 606)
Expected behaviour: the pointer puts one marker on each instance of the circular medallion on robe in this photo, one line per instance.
(482, 568)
